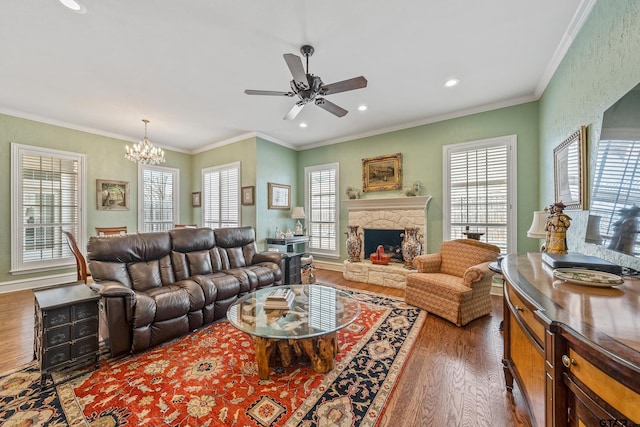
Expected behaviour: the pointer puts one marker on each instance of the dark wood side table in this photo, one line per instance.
(293, 268)
(289, 242)
(66, 327)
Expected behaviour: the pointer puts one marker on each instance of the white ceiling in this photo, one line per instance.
(184, 65)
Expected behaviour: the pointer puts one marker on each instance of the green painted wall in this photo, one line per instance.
(601, 66)
(275, 164)
(105, 160)
(421, 148)
(242, 151)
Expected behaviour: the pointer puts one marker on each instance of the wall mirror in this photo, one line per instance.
(615, 191)
(569, 170)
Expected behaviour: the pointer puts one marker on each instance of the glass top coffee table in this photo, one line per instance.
(307, 330)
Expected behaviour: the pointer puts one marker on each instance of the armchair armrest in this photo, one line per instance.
(475, 273)
(428, 263)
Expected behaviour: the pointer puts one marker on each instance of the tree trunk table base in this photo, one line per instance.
(319, 351)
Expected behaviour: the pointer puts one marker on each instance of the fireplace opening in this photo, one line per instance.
(391, 241)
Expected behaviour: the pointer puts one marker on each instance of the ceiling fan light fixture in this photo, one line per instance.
(303, 125)
(73, 5)
(362, 108)
(451, 82)
(144, 151)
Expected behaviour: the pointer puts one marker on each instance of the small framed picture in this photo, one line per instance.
(279, 196)
(112, 195)
(247, 196)
(196, 201)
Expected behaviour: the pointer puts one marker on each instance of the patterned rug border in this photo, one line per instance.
(320, 397)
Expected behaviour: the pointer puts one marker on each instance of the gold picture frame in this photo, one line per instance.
(248, 195)
(112, 195)
(569, 172)
(382, 173)
(279, 196)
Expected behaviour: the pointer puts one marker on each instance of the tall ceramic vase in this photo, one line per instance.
(411, 247)
(354, 244)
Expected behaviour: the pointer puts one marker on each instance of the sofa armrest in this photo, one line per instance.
(476, 273)
(268, 256)
(428, 263)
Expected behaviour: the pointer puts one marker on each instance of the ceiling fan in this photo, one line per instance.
(309, 88)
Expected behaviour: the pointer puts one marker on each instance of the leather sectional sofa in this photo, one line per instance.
(158, 286)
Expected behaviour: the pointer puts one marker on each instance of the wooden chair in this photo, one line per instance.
(185, 225)
(110, 231)
(81, 264)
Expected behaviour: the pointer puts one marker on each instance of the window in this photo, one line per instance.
(479, 188)
(321, 205)
(158, 198)
(47, 198)
(615, 183)
(221, 196)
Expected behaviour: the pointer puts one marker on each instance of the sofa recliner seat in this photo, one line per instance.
(158, 286)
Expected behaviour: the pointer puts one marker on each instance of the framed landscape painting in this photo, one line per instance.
(279, 196)
(112, 195)
(382, 173)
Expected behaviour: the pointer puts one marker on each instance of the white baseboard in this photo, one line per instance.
(37, 282)
(328, 265)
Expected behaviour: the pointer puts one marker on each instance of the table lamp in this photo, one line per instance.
(298, 213)
(537, 231)
(593, 230)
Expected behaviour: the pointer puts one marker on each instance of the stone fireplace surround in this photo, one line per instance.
(387, 213)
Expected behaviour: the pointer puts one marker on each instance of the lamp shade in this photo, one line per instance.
(537, 231)
(593, 230)
(297, 212)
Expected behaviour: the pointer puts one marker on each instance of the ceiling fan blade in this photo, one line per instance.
(267, 92)
(331, 107)
(297, 70)
(297, 107)
(343, 86)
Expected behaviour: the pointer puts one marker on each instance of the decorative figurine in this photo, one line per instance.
(557, 224)
(352, 193)
(414, 190)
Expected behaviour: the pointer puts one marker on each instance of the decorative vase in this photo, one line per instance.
(354, 244)
(411, 247)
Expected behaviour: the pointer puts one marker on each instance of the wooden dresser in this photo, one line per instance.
(573, 350)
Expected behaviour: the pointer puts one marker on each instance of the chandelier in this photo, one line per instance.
(144, 151)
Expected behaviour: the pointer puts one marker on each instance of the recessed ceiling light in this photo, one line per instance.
(451, 82)
(73, 5)
(362, 108)
(303, 125)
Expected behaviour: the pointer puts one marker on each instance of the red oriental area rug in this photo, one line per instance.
(209, 378)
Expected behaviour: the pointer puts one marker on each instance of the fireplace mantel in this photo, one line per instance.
(417, 202)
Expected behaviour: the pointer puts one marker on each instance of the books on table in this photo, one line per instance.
(279, 299)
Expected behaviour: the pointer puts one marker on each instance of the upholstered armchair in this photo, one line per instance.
(454, 284)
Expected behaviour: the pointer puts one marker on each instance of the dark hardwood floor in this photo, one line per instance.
(453, 376)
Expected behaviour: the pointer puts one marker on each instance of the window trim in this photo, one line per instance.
(335, 254)
(232, 165)
(18, 266)
(510, 141)
(176, 192)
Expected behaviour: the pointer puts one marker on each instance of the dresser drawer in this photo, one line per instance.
(57, 336)
(524, 313)
(56, 355)
(85, 328)
(85, 310)
(620, 397)
(57, 317)
(85, 346)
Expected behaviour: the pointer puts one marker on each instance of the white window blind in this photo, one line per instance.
(321, 195)
(47, 187)
(159, 204)
(477, 191)
(221, 196)
(615, 183)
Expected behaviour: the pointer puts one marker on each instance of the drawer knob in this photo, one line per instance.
(567, 361)
(518, 308)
